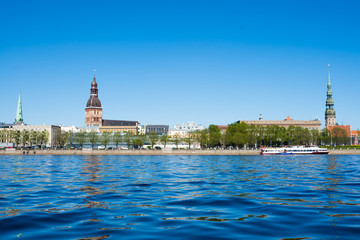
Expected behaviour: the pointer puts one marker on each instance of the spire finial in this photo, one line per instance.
(94, 72)
(329, 84)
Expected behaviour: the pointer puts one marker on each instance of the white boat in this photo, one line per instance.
(293, 150)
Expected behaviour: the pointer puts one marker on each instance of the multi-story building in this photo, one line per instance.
(189, 127)
(287, 122)
(54, 131)
(159, 129)
(177, 133)
(69, 129)
(119, 126)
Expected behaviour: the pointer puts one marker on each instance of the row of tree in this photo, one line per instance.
(137, 141)
(237, 135)
(240, 134)
(25, 137)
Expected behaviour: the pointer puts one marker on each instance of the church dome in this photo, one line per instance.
(93, 102)
(330, 112)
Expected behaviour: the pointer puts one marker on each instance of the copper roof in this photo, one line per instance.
(93, 102)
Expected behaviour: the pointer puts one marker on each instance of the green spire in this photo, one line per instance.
(330, 111)
(329, 91)
(19, 115)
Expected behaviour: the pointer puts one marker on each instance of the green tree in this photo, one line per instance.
(176, 139)
(32, 137)
(92, 137)
(251, 134)
(117, 138)
(153, 138)
(189, 139)
(291, 134)
(339, 136)
(80, 137)
(105, 138)
(139, 140)
(325, 137)
(128, 138)
(57, 137)
(64, 138)
(203, 138)
(315, 136)
(38, 138)
(71, 137)
(44, 137)
(3, 136)
(239, 139)
(223, 140)
(260, 135)
(17, 138)
(214, 135)
(25, 136)
(164, 139)
(9, 136)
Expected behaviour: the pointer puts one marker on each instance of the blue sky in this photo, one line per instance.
(168, 62)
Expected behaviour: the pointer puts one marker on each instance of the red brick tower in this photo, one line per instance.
(93, 110)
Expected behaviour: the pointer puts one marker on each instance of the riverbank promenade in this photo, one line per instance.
(156, 152)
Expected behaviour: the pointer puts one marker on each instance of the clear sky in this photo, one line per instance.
(168, 62)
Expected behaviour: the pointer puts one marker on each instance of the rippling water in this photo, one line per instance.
(179, 197)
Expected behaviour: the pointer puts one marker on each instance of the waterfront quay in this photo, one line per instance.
(159, 152)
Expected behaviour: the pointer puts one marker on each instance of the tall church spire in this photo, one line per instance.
(19, 116)
(93, 109)
(330, 118)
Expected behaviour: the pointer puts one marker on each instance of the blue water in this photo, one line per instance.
(179, 197)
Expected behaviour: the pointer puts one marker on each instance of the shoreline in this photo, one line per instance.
(158, 152)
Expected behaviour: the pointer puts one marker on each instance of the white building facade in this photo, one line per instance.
(189, 127)
(54, 131)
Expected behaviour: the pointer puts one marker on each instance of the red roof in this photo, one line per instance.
(288, 118)
(345, 127)
(223, 127)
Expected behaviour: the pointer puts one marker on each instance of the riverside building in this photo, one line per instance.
(189, 127)
(159, 129)
(54, 132)
(287, 122)
(119, 126)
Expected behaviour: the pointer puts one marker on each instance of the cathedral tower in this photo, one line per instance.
(19, 116)
(330, 119)
(93, 110)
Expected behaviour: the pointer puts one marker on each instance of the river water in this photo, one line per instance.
(179, 197)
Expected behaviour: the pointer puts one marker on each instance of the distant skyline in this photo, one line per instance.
(170, 62)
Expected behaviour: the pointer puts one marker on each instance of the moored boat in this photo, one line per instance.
(293, 150)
